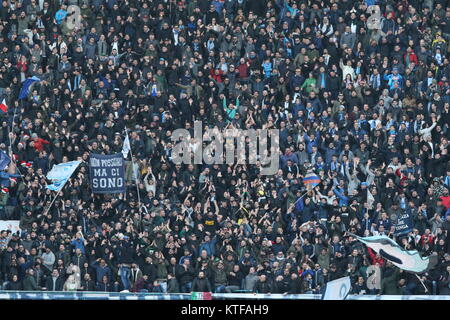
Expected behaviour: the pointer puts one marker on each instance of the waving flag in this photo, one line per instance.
(337, 289)
(370, 199)
(26, 86)
(311, 180)
(408, 260)
(126, 146)
(3, 106)
(4, 160)
(60, 174)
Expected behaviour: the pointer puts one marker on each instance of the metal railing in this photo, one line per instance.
(88, 295)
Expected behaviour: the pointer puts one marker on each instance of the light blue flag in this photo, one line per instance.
(60, 174)
(337, 289)
(408, 260)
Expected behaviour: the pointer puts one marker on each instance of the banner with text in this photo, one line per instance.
(107, 173)
(404, 223)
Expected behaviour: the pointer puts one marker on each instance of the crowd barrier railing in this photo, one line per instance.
(64, 295)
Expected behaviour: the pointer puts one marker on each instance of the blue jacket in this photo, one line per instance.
(310, 144)
(209, 246)
(79, 244)
(343, 200)
(101, 271)
(4, 178)
(391, 78)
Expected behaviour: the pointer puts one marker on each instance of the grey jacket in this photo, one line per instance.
(250, 281)
(349, 39)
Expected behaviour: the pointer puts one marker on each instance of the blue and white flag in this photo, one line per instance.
(126, 146)
(60, 174)
(4, 160)
(337, 289)
(26, 86)
(408, 260)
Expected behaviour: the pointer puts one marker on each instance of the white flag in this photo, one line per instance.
(370, 199)
(408, 260)
(126, 146)
(337, 289)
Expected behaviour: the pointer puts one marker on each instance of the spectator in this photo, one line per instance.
(362, 104)
(55, 282)
(201, 283)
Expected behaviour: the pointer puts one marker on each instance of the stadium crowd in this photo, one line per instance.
(362, 103)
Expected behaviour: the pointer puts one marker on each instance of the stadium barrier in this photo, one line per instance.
(60, 295)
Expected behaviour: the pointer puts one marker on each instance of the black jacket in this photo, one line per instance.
(103, 287)
(279, 287)
(184, 276)
(56, 286)
(15, 286)
(262, 287)
(294, 286)
(88, 285)
(201, 285)
(150, 270)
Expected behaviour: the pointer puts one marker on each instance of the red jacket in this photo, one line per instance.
(243, 70)
(375, 260)
(412, 58)
(39, 144)
(22, 66)
(217, 77)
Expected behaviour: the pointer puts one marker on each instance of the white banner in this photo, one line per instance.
(12, 225)
(337, 289)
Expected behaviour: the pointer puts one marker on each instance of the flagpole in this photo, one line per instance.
(9, 134)
(301, 197)
(11, 155)
(51, 204)
(420, 280)
(137, 185)
(59, 191)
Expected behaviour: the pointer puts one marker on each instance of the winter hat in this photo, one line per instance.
(25, 164)
(5, 190)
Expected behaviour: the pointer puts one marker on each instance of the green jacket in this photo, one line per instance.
(220, 277)
(324, 260)
(230, 112)
(29, 284)
(161, 82)
(309, 85)
(4, 199)
(389, 283)
(161, 269)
